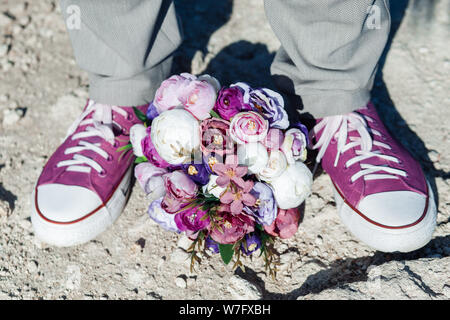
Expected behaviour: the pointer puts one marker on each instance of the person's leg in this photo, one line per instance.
(329, 51)
(329, 55)
(126, 47)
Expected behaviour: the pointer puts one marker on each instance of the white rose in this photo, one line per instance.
(275, 166)
(212, 188)
(293, 186)
(253, 155)
(175, 135)
(137, 133)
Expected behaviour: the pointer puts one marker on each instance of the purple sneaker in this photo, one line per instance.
(85, 183)
(381, 192)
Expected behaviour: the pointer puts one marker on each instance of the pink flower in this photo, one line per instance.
(238, 197)
(248, 127)
(198, 97)
(274, 139)
(166, 97)
(230, 172)
(214, 137)
(230, 101)
(192, 220)
(232, 227)
(286, 223)
(179, 189)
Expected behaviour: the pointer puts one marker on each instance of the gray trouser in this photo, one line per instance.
(124, 45)
(328, 55)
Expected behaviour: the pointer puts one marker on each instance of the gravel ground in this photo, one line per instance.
(42, 91)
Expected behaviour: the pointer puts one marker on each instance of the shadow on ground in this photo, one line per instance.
(250, 62)
(345, 271)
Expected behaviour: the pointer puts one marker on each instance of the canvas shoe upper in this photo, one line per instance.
(380, 189)
(83, 187)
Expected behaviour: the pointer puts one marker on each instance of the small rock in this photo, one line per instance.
(179, 256)
(4, 20)
(18, 9)
(4, 211)
(32, 266)
(3, 50)
(25, 224)
(184, 242)
(241, 289)
(16, 29)
(434, 156)
(4, 98)
(287, 258)
(10, 117)
(319, 240)
(24, 21)
(191, 281)
(446, 291)
(180, 282)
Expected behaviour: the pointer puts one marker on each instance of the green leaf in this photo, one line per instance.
(139, 114)
(214, 114)
(141, 159)
(226, 252)
(126, 147)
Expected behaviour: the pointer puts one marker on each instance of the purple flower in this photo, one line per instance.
(211, 245)
(265, 210)
(150, 179)
(197, 172)
(209, 160)
(160, 216)
(303, 129)
(267, 102)
(271, 105)
(152, 113)
(192, 220)
(230, 102)
(294, 145)
(251, 244)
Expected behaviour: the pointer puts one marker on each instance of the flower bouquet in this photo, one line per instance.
(222, 164)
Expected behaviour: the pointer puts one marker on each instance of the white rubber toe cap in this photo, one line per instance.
(394, 208)
(62, 203)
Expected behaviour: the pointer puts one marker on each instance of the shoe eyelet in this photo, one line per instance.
(116, 144)
(129, 116)
(102, 174)
(110, 158)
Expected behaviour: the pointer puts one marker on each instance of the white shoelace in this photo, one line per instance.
(338, 127)
(101, 126)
